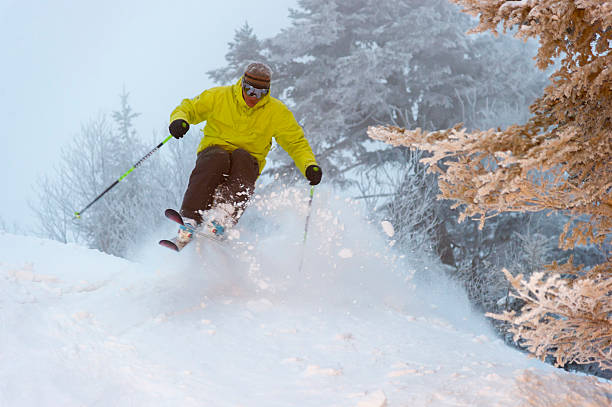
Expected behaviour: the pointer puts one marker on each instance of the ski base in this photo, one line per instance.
(170, 244)
(174, 216)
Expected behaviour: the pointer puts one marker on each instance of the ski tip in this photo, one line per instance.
(174, 216)
(171, 212)
(169, 244)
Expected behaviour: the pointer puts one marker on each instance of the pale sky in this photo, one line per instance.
(65, 61)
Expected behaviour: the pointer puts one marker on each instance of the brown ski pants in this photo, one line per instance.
(219, 177)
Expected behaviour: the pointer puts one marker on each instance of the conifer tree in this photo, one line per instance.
(97, 156)
(347, 65)
(245, 48)
(123, 118)
(559, 160)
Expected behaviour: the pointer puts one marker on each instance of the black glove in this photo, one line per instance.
(314, 173)
(178, 128)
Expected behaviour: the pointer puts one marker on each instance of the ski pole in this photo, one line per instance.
(78, 214)
(306, 226)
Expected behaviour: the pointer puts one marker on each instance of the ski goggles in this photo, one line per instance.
(251, 90)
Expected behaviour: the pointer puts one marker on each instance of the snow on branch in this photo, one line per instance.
(561, 26)
(568, 319)
(559, 161)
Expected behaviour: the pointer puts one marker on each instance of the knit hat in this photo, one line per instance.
(258, 75)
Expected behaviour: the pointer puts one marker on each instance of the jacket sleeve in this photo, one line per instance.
(195, 110)
(290, 137)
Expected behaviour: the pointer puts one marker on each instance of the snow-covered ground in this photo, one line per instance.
(237, 325)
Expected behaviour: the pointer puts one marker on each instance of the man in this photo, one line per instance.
(241, 120)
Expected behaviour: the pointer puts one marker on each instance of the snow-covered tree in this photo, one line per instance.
(344, 65)
(567, 319)
(96, 158)
(560, 160)
(14, 227)
(124, 121)
(403, 195)
(245, 48)
(76, 178)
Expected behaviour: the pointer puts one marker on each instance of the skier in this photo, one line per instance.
(241, 120)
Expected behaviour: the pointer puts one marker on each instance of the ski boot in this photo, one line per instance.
(215, 228)
(186, 231)
(219, 220)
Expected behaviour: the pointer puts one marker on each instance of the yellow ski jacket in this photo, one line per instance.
(232, 124)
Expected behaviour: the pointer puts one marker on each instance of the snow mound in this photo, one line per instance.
(239, 325)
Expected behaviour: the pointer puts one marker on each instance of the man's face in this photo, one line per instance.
(251, 101)
(251, 94)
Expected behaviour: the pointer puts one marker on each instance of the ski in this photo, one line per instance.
(174, 216)
(172, 244)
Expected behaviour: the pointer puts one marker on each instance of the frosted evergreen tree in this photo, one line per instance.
(345, 66)
(124, 121)
(98, 155)
(245, 48)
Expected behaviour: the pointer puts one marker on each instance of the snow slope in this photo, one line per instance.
(236, 325)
